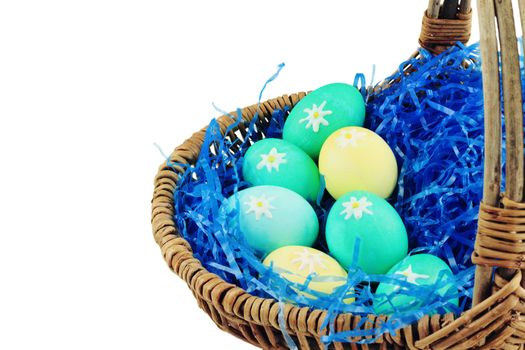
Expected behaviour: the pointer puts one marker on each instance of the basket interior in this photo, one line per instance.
(437, 139)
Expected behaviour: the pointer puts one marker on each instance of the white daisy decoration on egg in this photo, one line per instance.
(260, 206)
(411, 276)
(356, 208)
(315, 117)
(349, 137)
(307, 259)
(272, 160)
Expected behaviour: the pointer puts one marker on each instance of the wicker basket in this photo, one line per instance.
(495, 321)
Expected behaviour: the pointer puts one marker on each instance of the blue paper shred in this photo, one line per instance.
(433, 121)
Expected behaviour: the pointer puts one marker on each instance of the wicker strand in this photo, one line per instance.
(438, 34)
(492, 121)
(501, 235)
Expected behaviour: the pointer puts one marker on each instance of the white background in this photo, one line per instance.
(86, 88)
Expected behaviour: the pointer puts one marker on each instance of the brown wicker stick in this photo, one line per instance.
(433, 8)
(492, 160)
(464, 6)
(521, 4)
(512, 99)
(513, 109)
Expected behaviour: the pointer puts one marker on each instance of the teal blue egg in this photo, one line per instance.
(280, 163)
(322, 112)
(420, 269)
(272, 217)
(361, 216)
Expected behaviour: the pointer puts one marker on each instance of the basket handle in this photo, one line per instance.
(445, 24)
(500, 238)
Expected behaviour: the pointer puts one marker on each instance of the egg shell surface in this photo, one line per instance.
(355, 158)
(296, 263)
(365, 217)
(280, 163)
(322, 112)
(420, 269)
(271, 217)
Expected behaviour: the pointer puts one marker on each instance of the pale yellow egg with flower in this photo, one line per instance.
(355, 158)
(297, 263)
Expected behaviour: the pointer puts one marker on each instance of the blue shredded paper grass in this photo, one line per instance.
(433, 121)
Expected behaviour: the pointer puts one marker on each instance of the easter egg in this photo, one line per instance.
(356, 158)
(363, 217)
(320, 113)
(271, 217)
(296, 263)
(420, 269)
(280, 163)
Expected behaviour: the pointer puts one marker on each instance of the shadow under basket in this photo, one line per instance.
(495, 320)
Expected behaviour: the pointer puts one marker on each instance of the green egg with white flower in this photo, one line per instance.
(419, 270)
(322, 112)
(363, 218)
(272, 217)
(280, 163)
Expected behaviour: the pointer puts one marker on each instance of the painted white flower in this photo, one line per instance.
(411, 276)
(349, 137)
(272, 160)
(260, 206)
(356, 208)
(315, 117)
(307, 259)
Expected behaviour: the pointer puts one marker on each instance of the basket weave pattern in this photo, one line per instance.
(494, 322)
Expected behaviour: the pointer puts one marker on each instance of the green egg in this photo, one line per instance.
(280, 163)
(320, 113)
(420, 269)
(365, 217)
(272, 217)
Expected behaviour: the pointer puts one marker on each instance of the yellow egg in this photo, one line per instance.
(296, 263)
(355, 158)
